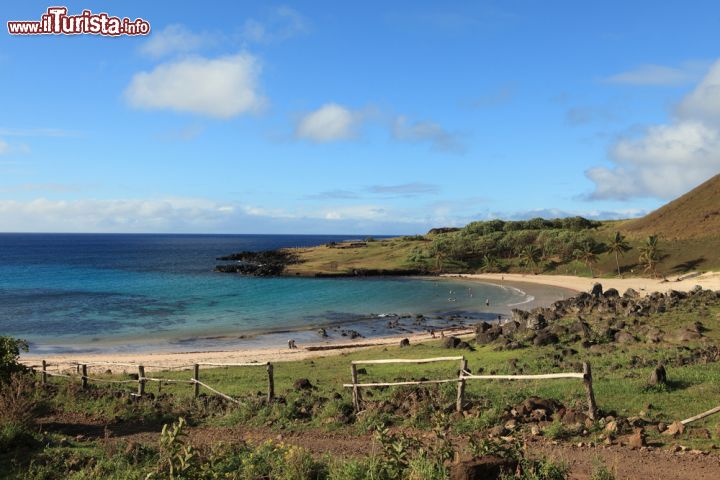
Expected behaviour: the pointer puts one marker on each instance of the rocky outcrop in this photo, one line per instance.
(260, 264)
(622, 319)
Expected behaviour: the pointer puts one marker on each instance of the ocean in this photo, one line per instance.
(123, 293)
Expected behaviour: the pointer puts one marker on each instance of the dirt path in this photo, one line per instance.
(646, 463)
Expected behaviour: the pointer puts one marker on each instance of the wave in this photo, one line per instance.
(527, 298)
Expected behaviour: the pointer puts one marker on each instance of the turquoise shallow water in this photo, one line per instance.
(133, 292)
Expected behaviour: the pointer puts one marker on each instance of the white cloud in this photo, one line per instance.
(175, 39)
(4, 147)
(282, 23)
(660, 75)
(667, 160)
(222, 87)
(329, 123)
(704, 101)
(426, 131)
(356, 212)
(90, 215)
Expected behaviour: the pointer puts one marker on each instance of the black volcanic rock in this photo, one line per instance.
(261, 264)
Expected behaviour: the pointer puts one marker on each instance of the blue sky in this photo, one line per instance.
(363, 117)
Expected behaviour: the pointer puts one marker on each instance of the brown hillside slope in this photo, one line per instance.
(694, 215)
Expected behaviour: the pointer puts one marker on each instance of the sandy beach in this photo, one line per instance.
(709, 281)
(159, 361)
(156, 361)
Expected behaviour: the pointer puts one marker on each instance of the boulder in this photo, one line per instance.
(637, 439)
(535, 321)
(545, 338)
(687, 335)
(624, 337)
(573, 417)
(510, 327)
(611, 293)
(674, 429)
(488, 467)
(519, 315)
(405, 342)
(658, 376)
(489, 335)
(582, 328)
(482, 327)
(630, 293)
(699, 432)
(302, 384)
(597, 290)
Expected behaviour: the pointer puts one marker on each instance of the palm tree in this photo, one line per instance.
(530, 256)
(619, 246)
(588, 254)
(650, 254)
(490, 263)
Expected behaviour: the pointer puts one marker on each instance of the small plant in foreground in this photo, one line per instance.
(177, 460)
(600, 471)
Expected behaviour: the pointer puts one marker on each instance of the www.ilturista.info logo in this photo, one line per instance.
(57, 22)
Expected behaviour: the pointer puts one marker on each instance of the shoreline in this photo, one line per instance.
(539, 295)
(163, 360)
(644, 286)
(572, 284)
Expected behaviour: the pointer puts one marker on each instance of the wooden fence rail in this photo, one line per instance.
(463, 377)
(142, 378)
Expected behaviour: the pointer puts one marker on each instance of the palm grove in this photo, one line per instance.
(535, 246)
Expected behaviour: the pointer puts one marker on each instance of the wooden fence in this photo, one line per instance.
(142, 379)
(463, 377)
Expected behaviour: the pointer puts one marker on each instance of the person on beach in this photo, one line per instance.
(487, 302)
(432, 332)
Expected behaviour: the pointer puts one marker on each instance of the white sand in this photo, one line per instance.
(644, 286)
(158, 361)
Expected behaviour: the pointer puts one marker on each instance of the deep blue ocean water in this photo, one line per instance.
(101, 292)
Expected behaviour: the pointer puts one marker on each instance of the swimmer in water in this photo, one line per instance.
(487, 302)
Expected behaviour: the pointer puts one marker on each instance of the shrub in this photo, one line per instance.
(10, 349)
(17, 411)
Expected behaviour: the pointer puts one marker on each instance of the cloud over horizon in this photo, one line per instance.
(222, 87)
(667, 160)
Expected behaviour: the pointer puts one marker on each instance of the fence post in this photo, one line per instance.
(587, 381)
(356, 389)
(83, 368)
(44, 373)
(461, 386)
(271, 382)
(141, 380)
(196, 377)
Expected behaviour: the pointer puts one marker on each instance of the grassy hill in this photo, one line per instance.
(693, 215)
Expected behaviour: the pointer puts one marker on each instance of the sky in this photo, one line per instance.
(356, 117)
